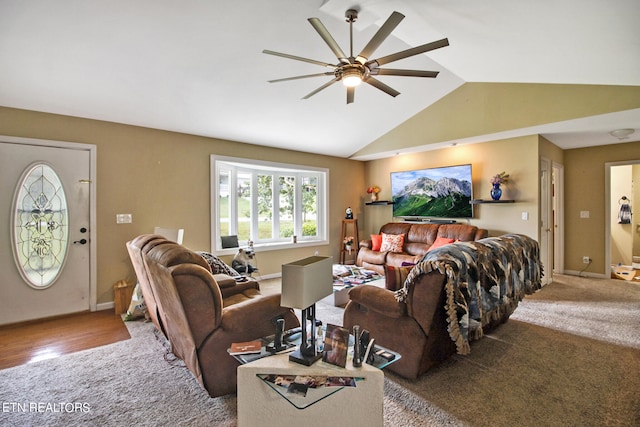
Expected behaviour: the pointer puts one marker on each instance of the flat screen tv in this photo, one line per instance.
(443, 192)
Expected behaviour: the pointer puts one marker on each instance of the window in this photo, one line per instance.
(40, 226)
(270, 204)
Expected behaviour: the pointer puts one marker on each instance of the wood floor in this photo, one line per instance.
(44, 339)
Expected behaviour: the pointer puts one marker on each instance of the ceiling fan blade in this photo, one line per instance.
(410, 52)
(328, 39)
(328, 73)
(324, 86)
(383, 87)
(299, 58)
(351, 91)
(384, 31)
(407, 73)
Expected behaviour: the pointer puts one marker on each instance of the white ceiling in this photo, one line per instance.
(197, 66)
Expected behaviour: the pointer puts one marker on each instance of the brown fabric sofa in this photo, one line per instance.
(452, 296)
(200, 320)
(417, 241)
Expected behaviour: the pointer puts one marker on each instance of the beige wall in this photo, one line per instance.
(486, 108)
(517, 156)
(162, 178)
(585, 191)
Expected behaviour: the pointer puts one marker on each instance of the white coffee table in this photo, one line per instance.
(260, 404)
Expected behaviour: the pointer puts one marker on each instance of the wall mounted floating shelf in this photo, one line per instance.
(487, 201)
(380, 202)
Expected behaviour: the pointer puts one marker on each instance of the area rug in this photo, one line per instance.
(569, 356)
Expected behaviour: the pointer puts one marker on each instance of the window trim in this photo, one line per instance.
(262, 165)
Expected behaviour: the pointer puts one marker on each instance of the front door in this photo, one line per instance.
(44, 229)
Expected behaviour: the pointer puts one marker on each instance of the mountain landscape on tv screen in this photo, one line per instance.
(446, 198)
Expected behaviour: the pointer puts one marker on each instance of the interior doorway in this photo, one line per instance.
(622, 201)
(551, 224)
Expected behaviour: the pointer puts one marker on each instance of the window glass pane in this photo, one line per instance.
(309, 206)
(287, 194)
(223, 202)
(268, 203)
(265, 207)
(41, 226)
(244, 206)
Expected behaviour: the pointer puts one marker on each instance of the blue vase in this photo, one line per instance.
(496, 192)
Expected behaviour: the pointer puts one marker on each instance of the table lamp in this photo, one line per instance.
(304, 282)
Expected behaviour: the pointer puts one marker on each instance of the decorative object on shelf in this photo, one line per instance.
(496, 192)
(348, 242)
(348, 213)
(496, 181)
(374, 190)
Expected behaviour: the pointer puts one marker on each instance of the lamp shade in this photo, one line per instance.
(306, 281)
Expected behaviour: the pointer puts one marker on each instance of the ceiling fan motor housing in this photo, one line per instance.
(351, 15)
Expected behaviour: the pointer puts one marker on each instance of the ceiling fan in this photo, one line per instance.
(354, 70)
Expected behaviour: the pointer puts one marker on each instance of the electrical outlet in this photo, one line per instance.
(586, 260)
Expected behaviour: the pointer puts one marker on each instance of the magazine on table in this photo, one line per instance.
(248, 347)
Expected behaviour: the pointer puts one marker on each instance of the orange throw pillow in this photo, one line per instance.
(440, 241)
(376, 242)
(392, 242)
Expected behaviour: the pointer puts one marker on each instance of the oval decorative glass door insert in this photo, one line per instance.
(40, 226)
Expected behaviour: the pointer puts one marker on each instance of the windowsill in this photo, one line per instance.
(278, 246)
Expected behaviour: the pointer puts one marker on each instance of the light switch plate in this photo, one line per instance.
(525, 216)
(124, 219)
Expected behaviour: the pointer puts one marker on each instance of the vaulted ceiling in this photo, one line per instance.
(197, 67)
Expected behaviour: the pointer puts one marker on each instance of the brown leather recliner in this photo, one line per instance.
(416, 329)
(197, 319)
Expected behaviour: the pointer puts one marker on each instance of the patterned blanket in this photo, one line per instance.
(486, 280)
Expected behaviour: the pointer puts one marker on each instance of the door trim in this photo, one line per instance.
(607, 211)
(558, 207)
(93, 241)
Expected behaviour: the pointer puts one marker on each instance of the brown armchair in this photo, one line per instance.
(198, 320)
(416, 329)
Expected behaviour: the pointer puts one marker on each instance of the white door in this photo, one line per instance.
(52, 274)
(546, 236)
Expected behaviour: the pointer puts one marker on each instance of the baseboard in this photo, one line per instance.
(585, 274)
(105, 306)
(269, 276)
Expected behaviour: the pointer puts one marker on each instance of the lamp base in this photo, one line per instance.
(298, 357)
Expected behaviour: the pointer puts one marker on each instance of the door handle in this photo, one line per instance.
(80, 242)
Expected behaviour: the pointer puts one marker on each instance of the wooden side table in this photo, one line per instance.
(349, 228)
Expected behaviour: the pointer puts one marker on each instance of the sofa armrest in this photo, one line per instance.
(366, 244)
(255, 313)
(224, 280)
(379, 300)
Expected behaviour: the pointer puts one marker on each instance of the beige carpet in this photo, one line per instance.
(569, 356)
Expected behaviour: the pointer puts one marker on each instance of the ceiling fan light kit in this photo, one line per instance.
(353, 70)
